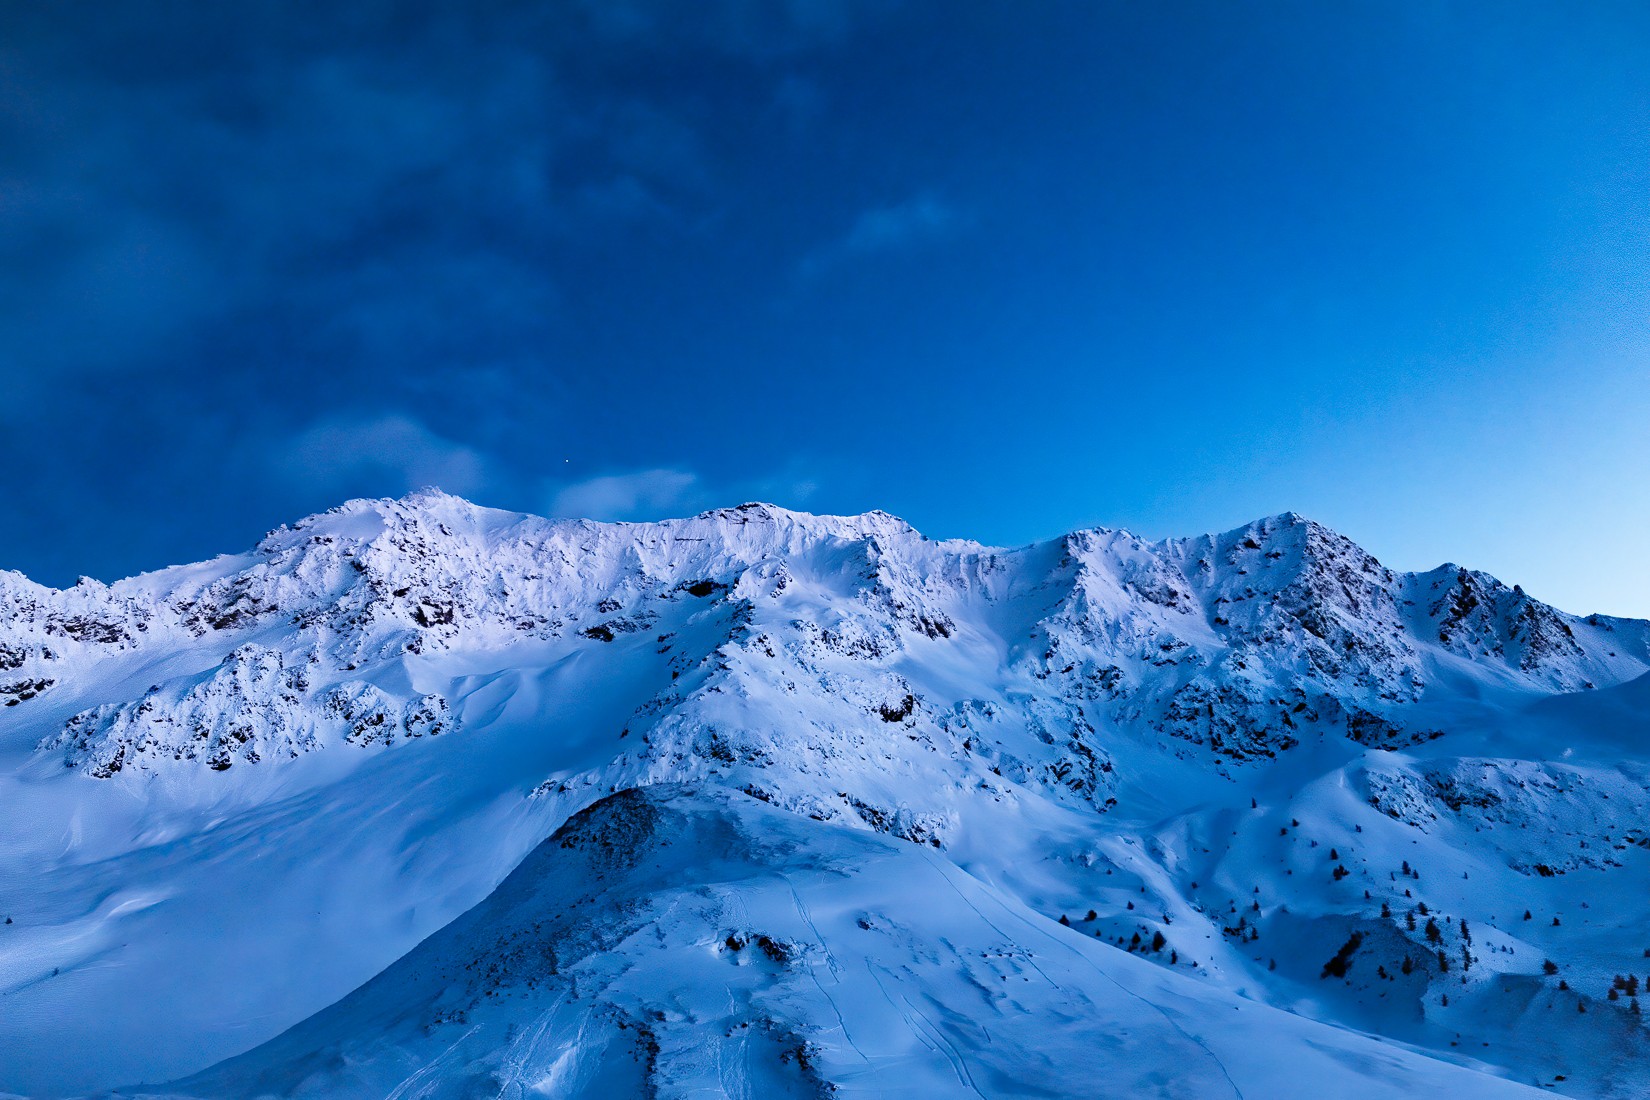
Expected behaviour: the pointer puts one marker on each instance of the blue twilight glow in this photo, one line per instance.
(1003, 269)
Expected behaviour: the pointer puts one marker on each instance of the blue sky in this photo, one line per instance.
(1002, 269)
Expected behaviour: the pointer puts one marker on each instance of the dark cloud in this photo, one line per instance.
(764, 29)
(168, 166)
(275, 252)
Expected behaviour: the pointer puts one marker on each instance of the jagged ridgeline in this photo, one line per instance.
(1236, 645)
(1253, 770)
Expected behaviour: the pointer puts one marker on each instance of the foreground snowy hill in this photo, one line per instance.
(1411, 807)
(671, 943)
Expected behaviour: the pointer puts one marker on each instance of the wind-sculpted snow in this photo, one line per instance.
(233, 792)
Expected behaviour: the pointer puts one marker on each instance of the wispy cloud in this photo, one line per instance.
(644, 494)
(919, 220)
(911, 222)
(393, 453)
(660, 493)
(381, 455)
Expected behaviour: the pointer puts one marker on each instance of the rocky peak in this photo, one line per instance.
(1473, 615)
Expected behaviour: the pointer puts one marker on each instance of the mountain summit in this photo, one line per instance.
(829, 805)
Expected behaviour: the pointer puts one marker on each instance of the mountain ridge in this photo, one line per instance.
(369, 720)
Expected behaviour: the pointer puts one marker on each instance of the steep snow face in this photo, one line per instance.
(672, 943)
(236, 791)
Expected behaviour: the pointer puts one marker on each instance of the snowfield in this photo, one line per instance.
(424, 799)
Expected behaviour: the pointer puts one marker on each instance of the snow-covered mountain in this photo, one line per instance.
(839, 807)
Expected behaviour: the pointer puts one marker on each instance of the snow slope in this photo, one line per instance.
(233, 793)
(671, 942)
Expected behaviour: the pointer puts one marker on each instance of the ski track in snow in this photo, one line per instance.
(946, 874)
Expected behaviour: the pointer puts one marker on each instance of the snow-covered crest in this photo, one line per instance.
(369, 719)
(1251, 623)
